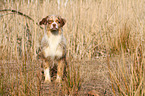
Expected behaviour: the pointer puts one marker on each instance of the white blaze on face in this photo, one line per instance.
(54, 23)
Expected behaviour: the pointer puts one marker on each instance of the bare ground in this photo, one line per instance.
(93, 73)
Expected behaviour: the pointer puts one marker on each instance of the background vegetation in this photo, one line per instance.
(105, 47)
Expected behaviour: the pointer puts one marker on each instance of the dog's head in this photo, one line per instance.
(53, 22)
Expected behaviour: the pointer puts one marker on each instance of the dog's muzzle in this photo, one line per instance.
(54, 26)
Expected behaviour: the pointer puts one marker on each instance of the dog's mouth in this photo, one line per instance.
(54, 29)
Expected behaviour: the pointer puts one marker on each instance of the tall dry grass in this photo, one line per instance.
(114, 30)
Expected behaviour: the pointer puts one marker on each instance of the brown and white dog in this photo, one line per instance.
(53, 46)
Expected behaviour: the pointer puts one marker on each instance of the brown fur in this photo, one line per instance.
(53, 46)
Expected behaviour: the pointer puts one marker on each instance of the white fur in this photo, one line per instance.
(55, 26)
(47, 74)
(58, 79)
(53, 49)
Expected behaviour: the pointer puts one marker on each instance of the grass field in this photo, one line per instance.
(105, 47)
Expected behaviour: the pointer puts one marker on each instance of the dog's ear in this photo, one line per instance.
(44, 21)
(62, 22)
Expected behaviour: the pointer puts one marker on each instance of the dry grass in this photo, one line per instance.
(105, 41)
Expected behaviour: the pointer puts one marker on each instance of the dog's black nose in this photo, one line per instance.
(54, 25)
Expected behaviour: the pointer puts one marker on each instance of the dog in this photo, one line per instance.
(53, 46)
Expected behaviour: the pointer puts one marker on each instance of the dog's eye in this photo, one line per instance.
(49, 22)
(58, 21)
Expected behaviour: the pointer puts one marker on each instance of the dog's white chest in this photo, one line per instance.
(53, 49)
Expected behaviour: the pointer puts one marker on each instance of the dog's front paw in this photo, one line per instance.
(58, 79)
(47, 81)
(47, 75)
